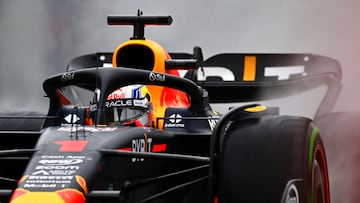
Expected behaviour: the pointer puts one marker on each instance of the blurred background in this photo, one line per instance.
(39, 37)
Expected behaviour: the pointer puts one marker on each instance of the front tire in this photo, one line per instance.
(271, 159)
(318, 188)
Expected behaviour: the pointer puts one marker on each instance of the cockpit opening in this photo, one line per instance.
(135, 56)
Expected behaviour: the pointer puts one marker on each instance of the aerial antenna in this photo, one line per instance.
(139, 22)
(139, 28)
(199, 58)
(140, 13)
(94, 104)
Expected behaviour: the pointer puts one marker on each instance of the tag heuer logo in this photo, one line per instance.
(175, 121)
(175, 118)
(74, 117)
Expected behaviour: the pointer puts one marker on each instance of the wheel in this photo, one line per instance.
(270, 159)
(318, 188)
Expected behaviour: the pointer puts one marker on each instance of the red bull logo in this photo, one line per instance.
(61, 196)
(66, 195)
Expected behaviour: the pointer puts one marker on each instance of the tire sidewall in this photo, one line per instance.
(316, 158)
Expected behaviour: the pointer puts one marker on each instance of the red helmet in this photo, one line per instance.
(129, 105)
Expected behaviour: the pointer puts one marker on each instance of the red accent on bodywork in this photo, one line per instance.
(138, 123)
(173, 97)
(71, 196)
(17, 193)
(159, 148)
(72, 145)
(126, 149)
(62, 98)
(82, 182)
(22, 179)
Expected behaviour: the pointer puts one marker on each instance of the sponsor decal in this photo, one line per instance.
(155, 148)
(87, 129)
(50, 177)
(175, 121)
(144, 145)
(72, 145)
(291, 193)
(284, 72)
(72, 118)
(42, 172)
(39, 185)
(63, 157)
(54, 171)
(60, 162)
(143, 102)
(226, 74)
(47, 181)
(249, 71)
(67, 76)
(140, 145)
(51, 171)
(212, 122)
(127, 103)
(156, 77)
(119, 103)
(54, 164)
(117, 94)
(57, 168)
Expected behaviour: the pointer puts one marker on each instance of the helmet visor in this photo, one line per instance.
(125, 111)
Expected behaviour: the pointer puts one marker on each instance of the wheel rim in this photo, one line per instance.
(318, 184)
(319, 178)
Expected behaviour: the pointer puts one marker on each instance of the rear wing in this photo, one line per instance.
(254, 77)
(251, 77)
(247, 77)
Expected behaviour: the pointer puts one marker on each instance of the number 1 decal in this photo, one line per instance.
(71, 145)
(249, 68)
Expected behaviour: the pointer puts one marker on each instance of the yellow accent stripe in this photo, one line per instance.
(39, 197)
(255, 109)
(68, 196)
(249, 68)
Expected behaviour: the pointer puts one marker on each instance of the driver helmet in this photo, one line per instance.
(129, 105)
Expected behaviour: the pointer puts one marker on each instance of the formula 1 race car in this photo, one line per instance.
(139, 125)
